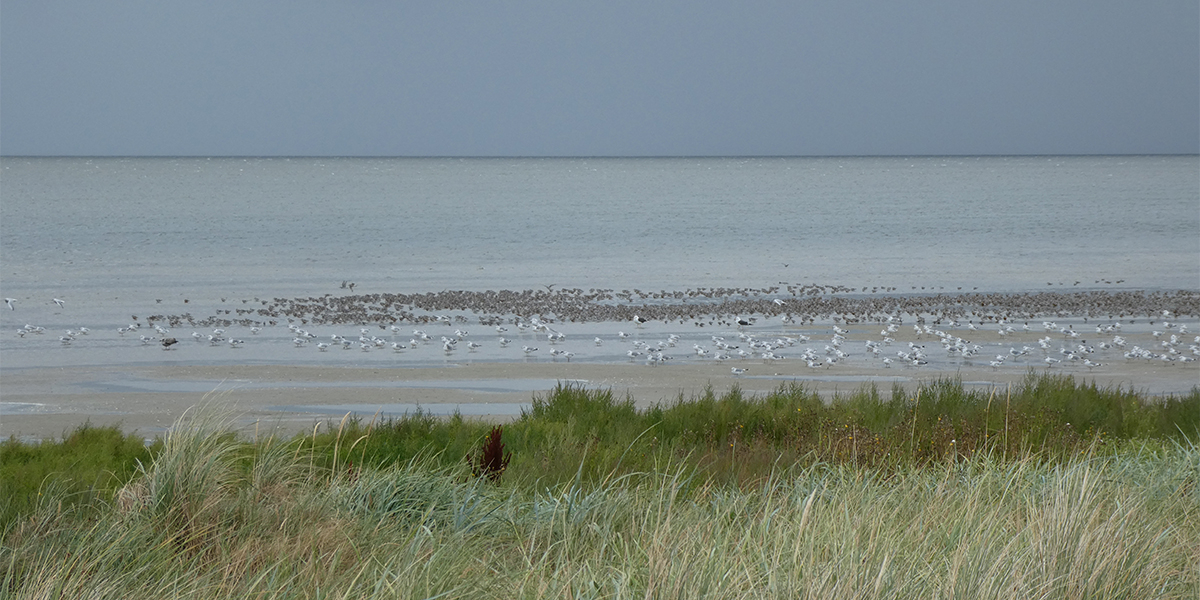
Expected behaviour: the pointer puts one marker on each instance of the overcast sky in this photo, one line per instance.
(612, 77)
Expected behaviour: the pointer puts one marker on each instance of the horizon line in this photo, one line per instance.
(594, 156)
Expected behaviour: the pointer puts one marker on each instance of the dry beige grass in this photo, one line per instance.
(205, 524)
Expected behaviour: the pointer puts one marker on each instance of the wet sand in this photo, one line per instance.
(292, 386)
(48, 402)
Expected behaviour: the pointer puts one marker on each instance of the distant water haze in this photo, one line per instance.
(110, 232)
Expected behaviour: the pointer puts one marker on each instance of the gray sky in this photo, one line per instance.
(633, 78)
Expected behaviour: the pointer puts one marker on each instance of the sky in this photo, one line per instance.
(611, 78)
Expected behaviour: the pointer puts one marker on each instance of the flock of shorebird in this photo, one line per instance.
(751, 340)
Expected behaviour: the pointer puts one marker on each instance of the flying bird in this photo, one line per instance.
(9, 302)
(58, 301)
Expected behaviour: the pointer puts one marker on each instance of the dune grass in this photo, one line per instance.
(90, 462)
(732, 436)
(1114, 526)
(722, 497)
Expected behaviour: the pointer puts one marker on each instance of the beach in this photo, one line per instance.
(298, 290)
(294, 364)
(293, 399)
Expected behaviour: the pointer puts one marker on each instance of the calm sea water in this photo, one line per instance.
(117, 236)
(127, 228)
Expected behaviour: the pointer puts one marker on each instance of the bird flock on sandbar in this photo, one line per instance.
(774, 335)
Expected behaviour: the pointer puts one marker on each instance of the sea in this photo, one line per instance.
(117, 238)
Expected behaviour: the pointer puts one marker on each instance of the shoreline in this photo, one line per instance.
(40, 403)
(654, 347)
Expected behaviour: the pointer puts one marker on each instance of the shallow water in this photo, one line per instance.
(124, 238)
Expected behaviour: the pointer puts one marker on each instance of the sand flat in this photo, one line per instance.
(48, 402)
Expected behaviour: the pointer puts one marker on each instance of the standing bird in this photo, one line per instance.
(168, 342)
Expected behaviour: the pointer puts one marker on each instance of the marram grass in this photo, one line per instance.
(1112, 526)
(735, 437)
(937, 493)
(89, 462)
